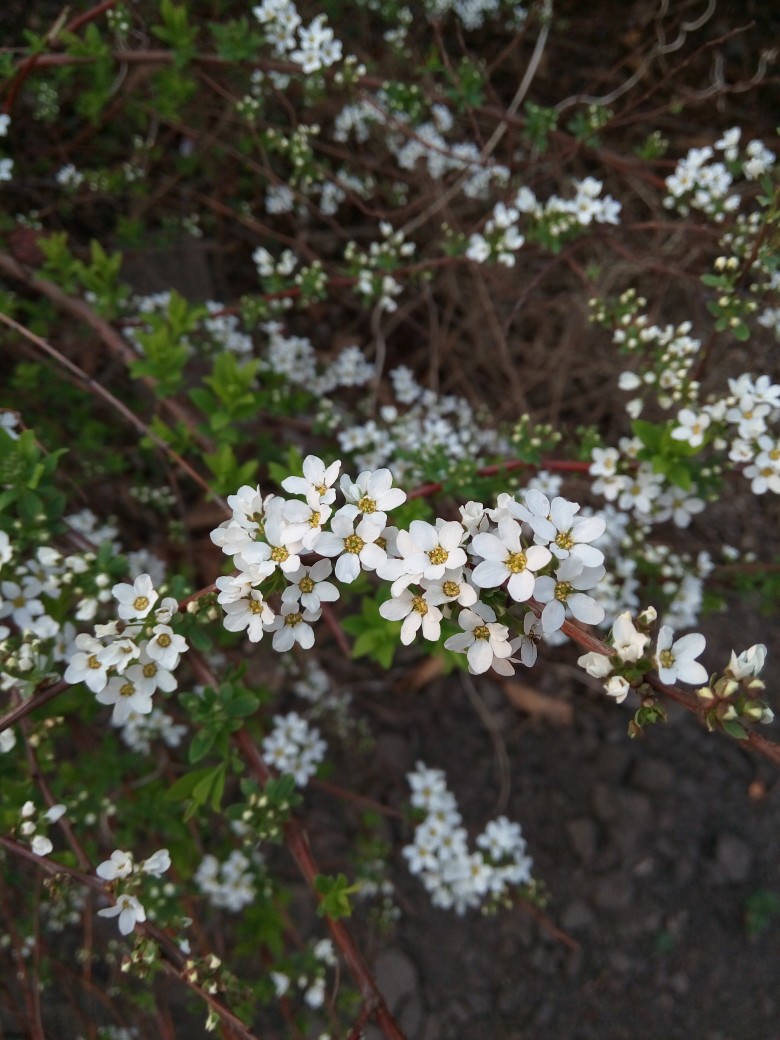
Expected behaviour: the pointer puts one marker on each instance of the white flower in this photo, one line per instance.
(692, 427)
(317, 479)
(595, 664)
(483, 640)
(373, 494)
(56, 812)
(291, 626)
(250, 612)
(129, 911)
(7, 741)
(119, 866)
(41, 845)
(617, 686)
(504, 557)
(157, 864)
(554, 524)
(308, 585)
(166, 647)
(567, 590)
(87, 664)
(357, 545)
(677, 661)
(5, 548)
(123, 694)
(628, 643)
(417, 612)
(749, 663)
(452, 588)
(136, 600)
(147, 676)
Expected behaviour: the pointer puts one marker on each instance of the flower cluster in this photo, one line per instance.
(126, 661)
(312, 47)
(33, 823)
(456, 877)
(537, 549)
(700, 184)
(128, 908)
(294, 747)
(554, 219)
(229, 885)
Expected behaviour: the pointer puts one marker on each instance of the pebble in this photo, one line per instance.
(733, 859)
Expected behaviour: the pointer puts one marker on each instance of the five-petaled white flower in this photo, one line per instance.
(354, 545)
(136, 600)
(128, 909)
(505, 557)
(417, 612)
(308, 585)
(317, 480)
(677, 661)
(483, 639)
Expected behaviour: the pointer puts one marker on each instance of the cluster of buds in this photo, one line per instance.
(626, 665)
(735, 697)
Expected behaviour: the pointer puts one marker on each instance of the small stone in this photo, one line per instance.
(652, 774)
(576, 915)
(583, 836)
(614, 891)
(733, 859)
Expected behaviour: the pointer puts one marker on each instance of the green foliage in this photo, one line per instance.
(199, 788)
(669, 456)
(335, 893)
(762, 908)
(27, 488)
(176, 31)
(227, 471)
(376, 638)
(165, 345)
(99, 71)
(540, 122)
(237, 40)
(266, 810)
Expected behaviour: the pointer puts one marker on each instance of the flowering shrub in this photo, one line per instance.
(202, 499)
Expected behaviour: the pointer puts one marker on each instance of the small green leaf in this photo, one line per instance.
(735, 729)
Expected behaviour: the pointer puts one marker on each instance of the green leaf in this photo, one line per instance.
(186, 784)
(202, 743)
(735, 729)
(335, 892)
(242, 705)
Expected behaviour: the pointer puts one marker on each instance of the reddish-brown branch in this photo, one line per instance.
(297, 842)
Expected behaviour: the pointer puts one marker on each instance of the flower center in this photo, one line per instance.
(321, 489)
(482, 632)
(92, 662)
(150, 670)
(279, 554)
(451, 588)
(516, 562)
(164, 641)
(563, 589)
(367, 505)
(140, 603)
(666, 657)
(564, 540)
(353, 543)
(127, 689)
(314, 520)
(256, 606)
(438, 555)
(306, 584)
(419, 604)
(293, 619)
